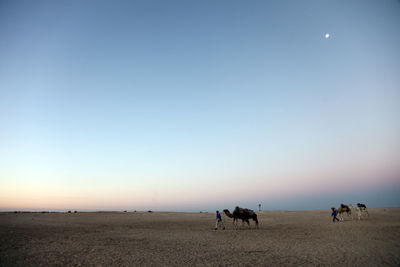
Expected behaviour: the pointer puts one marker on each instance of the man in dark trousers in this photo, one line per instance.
(219, 221)
(334, 214)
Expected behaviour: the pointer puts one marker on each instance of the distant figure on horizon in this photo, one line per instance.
(334, 214)
(259, 207)
(219, 221)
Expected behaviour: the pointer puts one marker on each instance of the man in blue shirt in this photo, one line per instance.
(219, 221)
(334, 214)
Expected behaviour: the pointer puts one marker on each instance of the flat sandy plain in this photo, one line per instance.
(285, 238)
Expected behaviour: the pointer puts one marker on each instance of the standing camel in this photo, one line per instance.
(360, 209)
(344, 209)
(243, 214)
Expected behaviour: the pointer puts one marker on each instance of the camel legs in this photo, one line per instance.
(235, 222)
(360, 211)
(349, 214)
(340, 215)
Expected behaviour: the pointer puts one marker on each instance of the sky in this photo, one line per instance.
(199, 105)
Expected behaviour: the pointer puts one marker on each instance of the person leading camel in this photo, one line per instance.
(334, 214)
(219, 221)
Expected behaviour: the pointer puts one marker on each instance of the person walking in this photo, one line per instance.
(334, 214)
(219, 221)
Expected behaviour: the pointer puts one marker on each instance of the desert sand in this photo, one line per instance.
(166, 238)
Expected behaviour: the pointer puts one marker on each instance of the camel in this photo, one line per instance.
(235, 217)
(244, 214)
(361, 208)
(344, 209)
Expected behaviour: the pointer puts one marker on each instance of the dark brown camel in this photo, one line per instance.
(244, 214)
(344, 209)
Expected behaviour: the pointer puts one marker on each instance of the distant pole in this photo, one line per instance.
(259, 207)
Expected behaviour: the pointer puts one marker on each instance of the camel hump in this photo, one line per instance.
(250, 212)
(245, 211)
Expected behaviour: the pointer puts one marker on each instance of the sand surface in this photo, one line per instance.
(160, 238)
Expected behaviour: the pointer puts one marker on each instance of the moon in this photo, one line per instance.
(327, 35)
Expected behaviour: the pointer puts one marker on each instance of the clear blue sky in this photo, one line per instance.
(196, 105)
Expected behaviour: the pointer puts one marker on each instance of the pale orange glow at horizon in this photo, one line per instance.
(152, 196)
